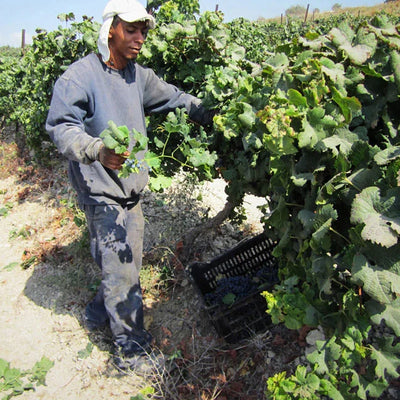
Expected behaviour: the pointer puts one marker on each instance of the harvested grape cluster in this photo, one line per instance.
(233, 288)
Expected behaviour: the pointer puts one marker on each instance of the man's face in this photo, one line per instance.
(126, 39)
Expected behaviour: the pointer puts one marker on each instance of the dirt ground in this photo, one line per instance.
(47, 277)
(42, 303)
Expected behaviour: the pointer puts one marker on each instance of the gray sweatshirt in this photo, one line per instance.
(85, 98)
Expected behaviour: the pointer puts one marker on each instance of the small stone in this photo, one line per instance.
(313, 336)
(270, 354)
(184, 283)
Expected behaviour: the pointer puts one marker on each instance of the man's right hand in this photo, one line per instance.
(110, 159)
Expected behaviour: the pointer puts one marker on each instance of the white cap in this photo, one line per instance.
(127, 10)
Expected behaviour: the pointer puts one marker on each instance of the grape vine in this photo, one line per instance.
(309, 120)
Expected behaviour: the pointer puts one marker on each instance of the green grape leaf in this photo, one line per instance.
(387, 155)
(236, 52)
(171, 30)
(390, 313)
(325, 213)
(301, 179)
(278, 60)
(342, 141)
(348, 105)
(160, 182)
(395, 62)
(220, 38)
(308, 137)
(380, 215)
(324, 358)
(379, 284)
(334, 70)
(161, 45)
(307, 218)
(279, 214)
(159, 143)
(356, 383)
(288, 386)
(342, 35)
(320, 238)
(387, 358)
(124, 129)
(141, 141)
(386, 258)
(120, 149)
(108, 141)
(229, 299)
(315, 115)
(247, 117)
(330, 390)
(319, 360)
(322, 268)
(360, 52)
(363, 178)
(296, 98)
(200, 157)
(152, 160)
(120, 134)
(376, 387)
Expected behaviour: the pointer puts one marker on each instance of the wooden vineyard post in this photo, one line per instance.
(23, 41)
(305, 17)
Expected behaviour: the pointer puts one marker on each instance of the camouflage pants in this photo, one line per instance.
(116, 242)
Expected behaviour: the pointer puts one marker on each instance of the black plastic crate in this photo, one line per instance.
(246, 316)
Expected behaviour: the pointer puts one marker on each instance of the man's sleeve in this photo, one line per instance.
(65, 125)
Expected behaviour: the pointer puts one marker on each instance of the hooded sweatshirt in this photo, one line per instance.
(85, 98)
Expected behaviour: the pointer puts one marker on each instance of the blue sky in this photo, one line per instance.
(31, 14)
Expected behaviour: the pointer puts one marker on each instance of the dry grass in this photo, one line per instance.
(207, 369)
(392, 8)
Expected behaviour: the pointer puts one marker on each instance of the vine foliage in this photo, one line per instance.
(311, 124)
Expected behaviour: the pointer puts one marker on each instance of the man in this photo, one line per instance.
(96, 89)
